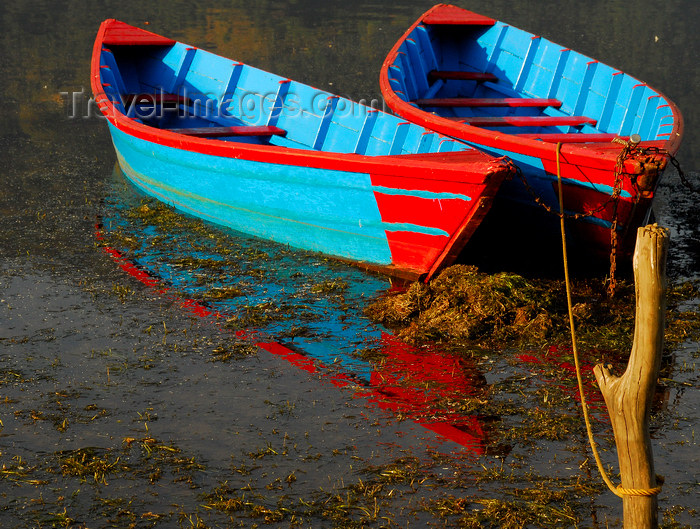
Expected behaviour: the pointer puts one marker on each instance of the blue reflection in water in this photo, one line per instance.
(311, 303)
(290, 302)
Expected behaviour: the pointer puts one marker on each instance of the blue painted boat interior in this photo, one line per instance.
(527, 66)
(221, 92)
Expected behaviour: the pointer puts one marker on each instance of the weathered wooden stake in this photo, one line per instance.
(629, 397)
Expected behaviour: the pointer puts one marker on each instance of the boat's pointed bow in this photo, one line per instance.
(115, 32)
(453, 15)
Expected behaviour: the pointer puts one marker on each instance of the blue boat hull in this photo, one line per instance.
(320, 210)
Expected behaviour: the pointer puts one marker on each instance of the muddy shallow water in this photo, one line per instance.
(131, 391)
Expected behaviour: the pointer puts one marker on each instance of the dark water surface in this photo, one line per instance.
(130, 394)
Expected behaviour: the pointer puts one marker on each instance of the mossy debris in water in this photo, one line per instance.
(465, 305)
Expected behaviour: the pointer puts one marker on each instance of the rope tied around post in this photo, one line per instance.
(620, 491)
(617, 490)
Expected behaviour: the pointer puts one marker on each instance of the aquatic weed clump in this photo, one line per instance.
(465, 304)
(154, 212)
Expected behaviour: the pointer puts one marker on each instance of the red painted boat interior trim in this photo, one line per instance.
(120, 33)
(449, 14)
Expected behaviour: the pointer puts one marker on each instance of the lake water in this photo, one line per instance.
(130, 393)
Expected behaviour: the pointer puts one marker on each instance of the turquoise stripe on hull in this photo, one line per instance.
(430, 195)
(333, 212)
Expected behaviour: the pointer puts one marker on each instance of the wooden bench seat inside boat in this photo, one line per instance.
(488, 102)
(571, 137)
(525, 121)
(434, 75)
(241, 130)
(156, 99)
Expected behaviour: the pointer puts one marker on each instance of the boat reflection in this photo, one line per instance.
(426, 385)
(556, 366)
(299, 306)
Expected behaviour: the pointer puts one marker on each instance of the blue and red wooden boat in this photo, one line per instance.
(509, 92)
(281, 160)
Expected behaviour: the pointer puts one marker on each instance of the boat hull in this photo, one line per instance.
(359, 185)
(509, 92)
(300, 206)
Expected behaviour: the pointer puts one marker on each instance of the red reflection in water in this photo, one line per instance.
(410, 382)
(556, 366)
(420, 383)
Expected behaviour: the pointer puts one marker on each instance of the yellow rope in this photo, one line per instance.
(619, 490)
(637, 492)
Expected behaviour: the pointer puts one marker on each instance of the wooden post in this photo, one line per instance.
(629, 397)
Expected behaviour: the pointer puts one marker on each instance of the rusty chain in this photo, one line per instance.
(674, 163)
(628, 148)
(617, 189)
